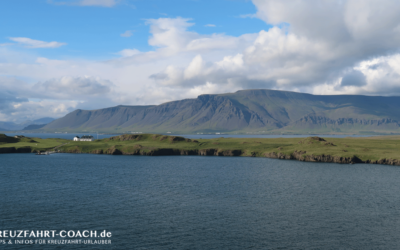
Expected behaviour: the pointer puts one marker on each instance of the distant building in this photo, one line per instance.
(83, 138)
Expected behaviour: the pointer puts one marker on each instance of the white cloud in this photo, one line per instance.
(127, 33)
(33, 44)
(128, 52)
(320, 56)
(248, 16)
(171, 33)
(68, 87)
(173, 42)
(101, 3)
(195, 68)
(20, 101)
(210, 25)
(299, 53)
(321, 47)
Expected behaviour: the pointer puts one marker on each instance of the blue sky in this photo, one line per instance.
(95, 31)
(60, 55)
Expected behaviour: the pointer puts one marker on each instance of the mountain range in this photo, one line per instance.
(26, 125)
(255, 111)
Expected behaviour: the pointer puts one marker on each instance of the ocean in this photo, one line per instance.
(199, 202)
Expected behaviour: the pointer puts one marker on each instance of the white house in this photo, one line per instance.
(84, 138)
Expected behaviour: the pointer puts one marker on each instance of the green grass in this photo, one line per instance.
(370, 148)
(36, 144)
(364, 148)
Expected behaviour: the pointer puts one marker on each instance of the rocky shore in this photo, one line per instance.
(297, 155)
(10, 150)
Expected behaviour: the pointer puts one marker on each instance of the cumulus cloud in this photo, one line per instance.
(313, 45)
(173, 41)
(128, 52)
(8, 100)
(20, 101)
(324, 41)
(33, 44)
(68, 87)
(320, 47)
(353, 78)
(32, 110)
(171, 33)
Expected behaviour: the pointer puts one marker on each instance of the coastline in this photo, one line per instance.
(233, 153)
(370, 150)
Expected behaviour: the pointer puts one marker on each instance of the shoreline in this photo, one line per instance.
(298, 156)
(368, 150)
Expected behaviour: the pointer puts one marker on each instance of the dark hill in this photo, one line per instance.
(11, 126)
(245, 111)
(34, 126)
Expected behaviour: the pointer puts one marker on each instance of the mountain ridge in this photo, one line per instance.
(263, 111)
(12, 126)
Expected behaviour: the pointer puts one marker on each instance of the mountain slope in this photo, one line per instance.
(34, 126)
(7, 126)
(245, 111)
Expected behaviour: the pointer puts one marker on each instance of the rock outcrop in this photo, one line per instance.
(8, 150)
(296, 155)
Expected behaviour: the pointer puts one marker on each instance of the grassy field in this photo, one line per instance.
(365, 149)
(34, 144)
(383, 150)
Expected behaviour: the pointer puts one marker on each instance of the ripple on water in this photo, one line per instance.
(193, 202)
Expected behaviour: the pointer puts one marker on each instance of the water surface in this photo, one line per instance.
(198, 202)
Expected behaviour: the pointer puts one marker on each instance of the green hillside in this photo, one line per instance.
(26, 144)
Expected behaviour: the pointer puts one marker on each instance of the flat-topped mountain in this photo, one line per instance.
(263, 111)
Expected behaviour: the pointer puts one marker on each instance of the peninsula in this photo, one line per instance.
(375, 150)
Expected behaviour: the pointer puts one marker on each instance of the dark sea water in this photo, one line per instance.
(198, 202)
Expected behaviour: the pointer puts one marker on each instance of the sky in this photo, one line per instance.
(57, 56)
